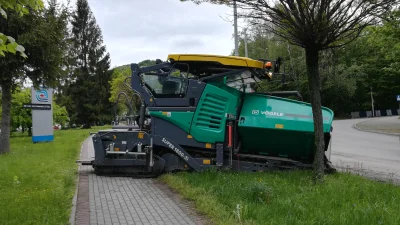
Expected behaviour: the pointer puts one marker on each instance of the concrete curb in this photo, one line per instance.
(75, 198)
(73, 209)
(374, 131)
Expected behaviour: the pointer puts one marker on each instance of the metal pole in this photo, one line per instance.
(235, 28)
(372, 103)
(245, 43)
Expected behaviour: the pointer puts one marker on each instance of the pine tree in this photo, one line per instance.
(92, 63)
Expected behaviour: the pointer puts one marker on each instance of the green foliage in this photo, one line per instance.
(42, 35)
(7, 43)
(21, 117)
(147, 62)
(60, 114)
(20, 7)
(118, 85)
(119, 75)
(38, 181)
(288, 198)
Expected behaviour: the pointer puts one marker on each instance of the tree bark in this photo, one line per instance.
(6, 117)
(314, 82)
(86, 125)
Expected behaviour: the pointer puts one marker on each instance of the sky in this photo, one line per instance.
(135, 30)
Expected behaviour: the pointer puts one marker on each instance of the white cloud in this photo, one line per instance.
(135, 30)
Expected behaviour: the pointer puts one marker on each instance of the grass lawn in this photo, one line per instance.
(37, 181)
(383, 129)
(279, 198)
(393, 131)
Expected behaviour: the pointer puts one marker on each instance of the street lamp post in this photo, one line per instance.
(372, 103)
(245, 43)
(235, 28)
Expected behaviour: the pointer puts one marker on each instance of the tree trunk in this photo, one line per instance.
(6, 117)
(314, 83)
(86, 125)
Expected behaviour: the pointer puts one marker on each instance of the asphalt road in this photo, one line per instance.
(371, 154)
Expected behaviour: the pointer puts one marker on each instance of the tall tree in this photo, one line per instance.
(314, 25)
(41, 36)
(118, 85)
(90, 88)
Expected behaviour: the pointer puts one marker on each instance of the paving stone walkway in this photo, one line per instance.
(125, 200)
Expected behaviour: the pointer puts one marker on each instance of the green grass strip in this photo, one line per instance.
(38, 181)
(278, 198)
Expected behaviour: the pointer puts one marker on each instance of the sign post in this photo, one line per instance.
(372, 104)
(398, 100)
(42, 115)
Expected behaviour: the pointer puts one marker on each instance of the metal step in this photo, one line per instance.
(132, 127)
(266, 157)
(129, 153)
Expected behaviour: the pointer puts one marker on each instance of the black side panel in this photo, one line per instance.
(173, 162)
(173, 109)
(174, 147)
(195, 90)
(99, 151)
(220, 154)
(171, 131)
(123, 140)
(171, 102)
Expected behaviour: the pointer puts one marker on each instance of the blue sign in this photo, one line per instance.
(398, 98)
(42, 96)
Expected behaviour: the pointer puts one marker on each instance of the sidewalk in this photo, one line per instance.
(126, 200)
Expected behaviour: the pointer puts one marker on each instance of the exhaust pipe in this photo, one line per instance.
(141, 115)
(151, 163)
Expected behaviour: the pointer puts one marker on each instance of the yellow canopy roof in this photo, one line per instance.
(224, 60)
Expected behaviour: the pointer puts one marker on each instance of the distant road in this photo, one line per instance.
(376, 155)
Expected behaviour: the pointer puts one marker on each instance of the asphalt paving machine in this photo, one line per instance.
(197, 112)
